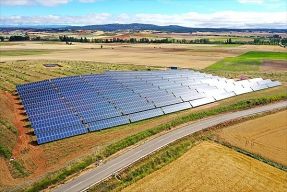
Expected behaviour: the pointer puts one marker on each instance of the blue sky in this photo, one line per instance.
(191, 13)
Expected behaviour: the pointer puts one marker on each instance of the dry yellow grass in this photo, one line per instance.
(211, 167)
(266, 136)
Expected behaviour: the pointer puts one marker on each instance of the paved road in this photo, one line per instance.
(102, 172)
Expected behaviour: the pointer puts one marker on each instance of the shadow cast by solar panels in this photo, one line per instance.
(31, 133)
(64, 107)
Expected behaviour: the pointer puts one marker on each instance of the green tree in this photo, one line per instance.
(85, 40)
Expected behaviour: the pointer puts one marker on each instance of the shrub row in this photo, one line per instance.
(5, 151)
(255, 156)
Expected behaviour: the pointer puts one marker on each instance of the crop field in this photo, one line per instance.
(18, 67)
(183, 55)
(265, 136)
(250, 61)
(212, 167)
(274, 65)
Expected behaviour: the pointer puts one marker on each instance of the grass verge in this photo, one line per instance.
(113, 148)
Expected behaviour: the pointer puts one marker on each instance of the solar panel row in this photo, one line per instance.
(60, 133)
(62, 107)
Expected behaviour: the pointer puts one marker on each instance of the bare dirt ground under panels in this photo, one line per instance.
(274, 65)
(265, 136)
(212, 167)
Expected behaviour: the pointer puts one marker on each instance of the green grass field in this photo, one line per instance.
(237, 64)
(20, 53)
(250, 61)
(264, 55)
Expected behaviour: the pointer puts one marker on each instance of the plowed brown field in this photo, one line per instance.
(266, 136)
(211, 167)
(274, 65)
(183, 55)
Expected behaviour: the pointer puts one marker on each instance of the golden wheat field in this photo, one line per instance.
(266, 136)
(212, 167)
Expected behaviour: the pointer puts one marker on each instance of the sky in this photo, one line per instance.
(189, 13)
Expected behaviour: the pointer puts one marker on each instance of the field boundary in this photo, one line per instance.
(254, 156)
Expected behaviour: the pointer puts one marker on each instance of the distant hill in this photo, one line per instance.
(133, 27)
(169, 28)
(136, 27)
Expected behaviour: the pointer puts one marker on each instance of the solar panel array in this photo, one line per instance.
(69, 106)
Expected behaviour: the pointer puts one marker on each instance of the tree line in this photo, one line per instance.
(274, 40)
(257, 41)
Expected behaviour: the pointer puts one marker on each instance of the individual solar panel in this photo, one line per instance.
(242, 90)
(194, 96)
(259, 87)
(213, 92)
(204, 89)
(264, 82)
(103, 124)
(203, 101)
(243, 82)
(274, 84)
(224, 95)
(176, 107)
(145, 114)
(201, 86)
(255, 80)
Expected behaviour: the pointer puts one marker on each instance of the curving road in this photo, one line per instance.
(102, 172)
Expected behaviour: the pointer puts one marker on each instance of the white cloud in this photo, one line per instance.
(33, 2)
(15, 2)
(52, 2)
(225, 19)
